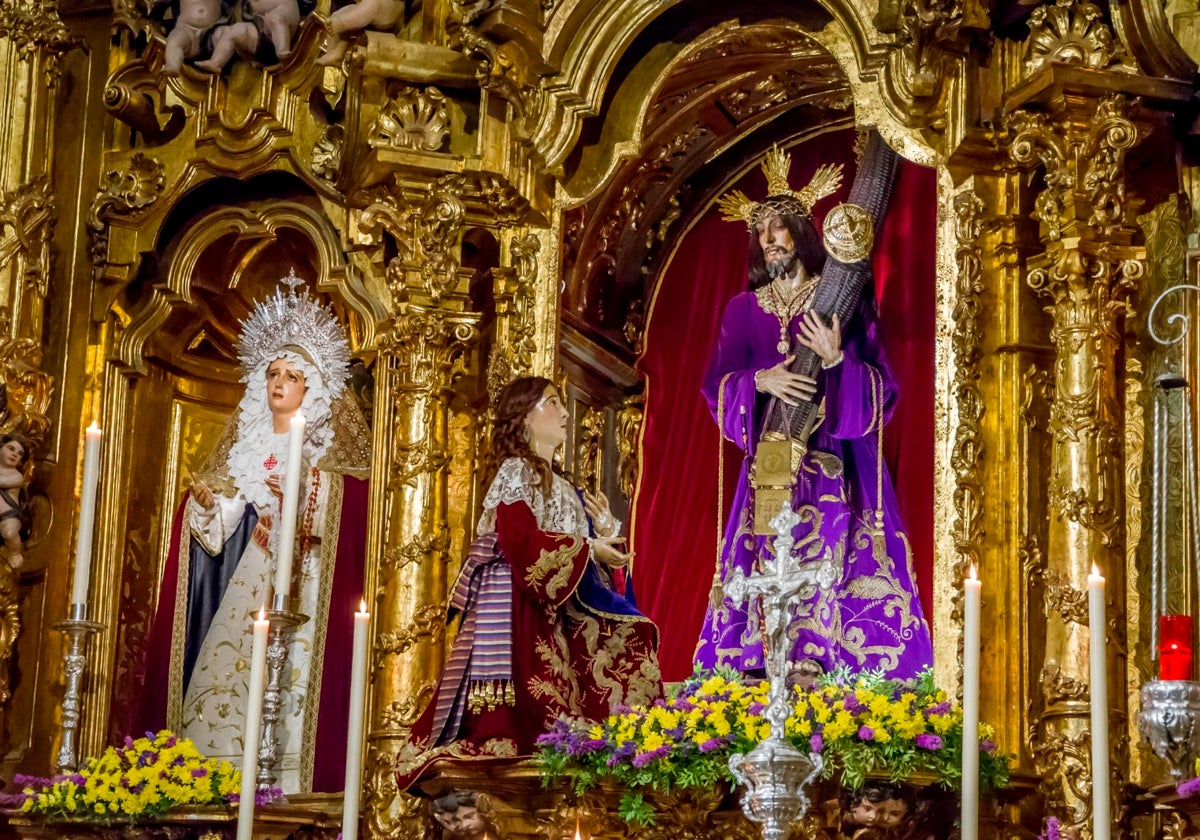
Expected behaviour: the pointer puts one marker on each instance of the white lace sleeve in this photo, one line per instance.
(212, 527)
(515, 481)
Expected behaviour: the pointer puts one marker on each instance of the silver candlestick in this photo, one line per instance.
(283, 625)
(77, 629)
(774, 773)
(1170, 722)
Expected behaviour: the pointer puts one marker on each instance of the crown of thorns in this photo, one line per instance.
(781, 198)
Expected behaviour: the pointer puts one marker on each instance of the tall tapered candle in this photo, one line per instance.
(252, 728)
(291, 505)
(1101, 827)
(87, 515)
(972, 591)
(358, 699)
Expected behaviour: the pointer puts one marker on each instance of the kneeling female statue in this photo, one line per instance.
(549, 623)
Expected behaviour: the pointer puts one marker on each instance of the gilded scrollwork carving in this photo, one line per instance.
(326, 157)
(133, 15)
(26, 226)
(25, 390)
(389, 814)
(589, 451)
(10, 626)
(1073, 32)
(500, 69)
(1063, 761)
(402, 714)
(1091, 164)
(412, 461)
(427, 346)
(1104, 178)
(441, 218)
(629, 435)
(1058, 687)
(428, 624)
(929, 28)
(967, 453)
(35, 25)
(1067, 601)
(434, 223)
(513, 352)
(123, 191)
(413, 119)
(397, 557)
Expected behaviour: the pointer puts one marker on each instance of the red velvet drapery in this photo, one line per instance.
(674, 524)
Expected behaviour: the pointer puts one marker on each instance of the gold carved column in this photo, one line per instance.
(33, 41)
(426, 349)
(1084, 274)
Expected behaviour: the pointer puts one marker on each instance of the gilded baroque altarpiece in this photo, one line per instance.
(489, 188)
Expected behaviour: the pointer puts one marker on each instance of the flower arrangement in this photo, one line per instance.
(859, 724)
(1190, 787)
(141, 778)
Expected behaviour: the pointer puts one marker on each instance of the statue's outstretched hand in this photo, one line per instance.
(605, 549)
(204, 497)
(780, 382)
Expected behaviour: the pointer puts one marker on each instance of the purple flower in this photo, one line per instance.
(755, 708)
(172, 741)
(712, 744)
(642, 759)
(128, 742)
(850, 703)
(929, 741)
(816, 742)
(865, 733)
(940, 709)
(146, 758)
(1189, 787)
(684, 705)
(267, 796)
(199, 772)
(22, 780)
(1053, 829)
(987, 746)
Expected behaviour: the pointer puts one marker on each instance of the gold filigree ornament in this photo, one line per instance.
(849, 233)
(781, 198)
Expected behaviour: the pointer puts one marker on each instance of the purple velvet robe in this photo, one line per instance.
(872, 617)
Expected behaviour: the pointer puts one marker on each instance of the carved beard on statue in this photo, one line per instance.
(779, 261)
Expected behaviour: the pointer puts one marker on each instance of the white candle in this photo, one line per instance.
(358, 700)
(1097, 624)
(291, 504)
(972, 590)
(253, 725)
(87, 516)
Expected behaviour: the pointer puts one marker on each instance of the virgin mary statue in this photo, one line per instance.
(294, 358)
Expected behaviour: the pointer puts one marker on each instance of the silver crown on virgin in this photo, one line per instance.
(291, 320)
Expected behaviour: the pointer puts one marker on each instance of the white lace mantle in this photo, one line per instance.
(560, 510)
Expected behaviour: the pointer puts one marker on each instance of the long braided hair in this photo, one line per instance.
(513, 405)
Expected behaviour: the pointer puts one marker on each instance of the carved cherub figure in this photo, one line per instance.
(240, 38)
(186, 40)
(380, 15)
(278, 20)
(15, 517)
